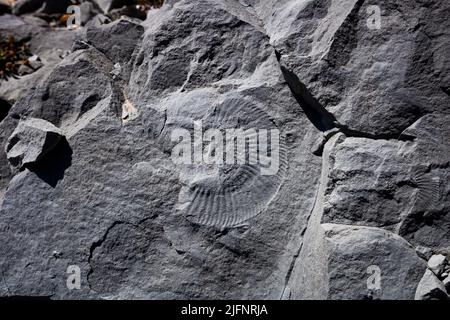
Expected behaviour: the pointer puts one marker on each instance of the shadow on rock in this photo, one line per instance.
(52, 166)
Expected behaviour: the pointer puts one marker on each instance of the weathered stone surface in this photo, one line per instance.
(116, 40)
(349, 257)
(373, 80)
(363, 176)
(31, 141)
(132, 189)
(395, 184)
(430, 288)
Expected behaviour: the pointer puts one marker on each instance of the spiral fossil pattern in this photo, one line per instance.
(429, 189)
(236, 192)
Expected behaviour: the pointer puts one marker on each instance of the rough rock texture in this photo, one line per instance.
(430, 288)
(346, 256)
(363, 173)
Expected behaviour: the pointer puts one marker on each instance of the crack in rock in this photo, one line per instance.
(97, 244)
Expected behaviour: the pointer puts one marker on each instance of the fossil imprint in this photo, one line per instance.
(227, 194)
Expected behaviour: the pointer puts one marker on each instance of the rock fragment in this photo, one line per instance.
(430, 288)
(437, 263)
(30, 141)
(356, 262)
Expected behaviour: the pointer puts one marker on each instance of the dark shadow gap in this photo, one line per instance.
(52, 166)
(322, 119)
(316, 113)
(5, 106)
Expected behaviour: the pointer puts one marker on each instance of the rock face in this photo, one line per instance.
(357, 198)
(366, 263)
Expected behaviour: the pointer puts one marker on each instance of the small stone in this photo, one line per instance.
(430, 288)
(437, 264)
(35, 62)
(30, 141)
(116, 71)
(23, 70)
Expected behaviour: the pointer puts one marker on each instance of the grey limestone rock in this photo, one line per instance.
(360, 199)
(431, 288)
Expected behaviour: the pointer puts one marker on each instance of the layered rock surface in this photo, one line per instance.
(363, 177)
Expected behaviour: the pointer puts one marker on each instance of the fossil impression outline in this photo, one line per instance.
(226, 195)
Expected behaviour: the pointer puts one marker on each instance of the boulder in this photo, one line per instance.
(358, 263)
(394, 184)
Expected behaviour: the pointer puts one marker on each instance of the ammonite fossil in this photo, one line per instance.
(227, 193)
